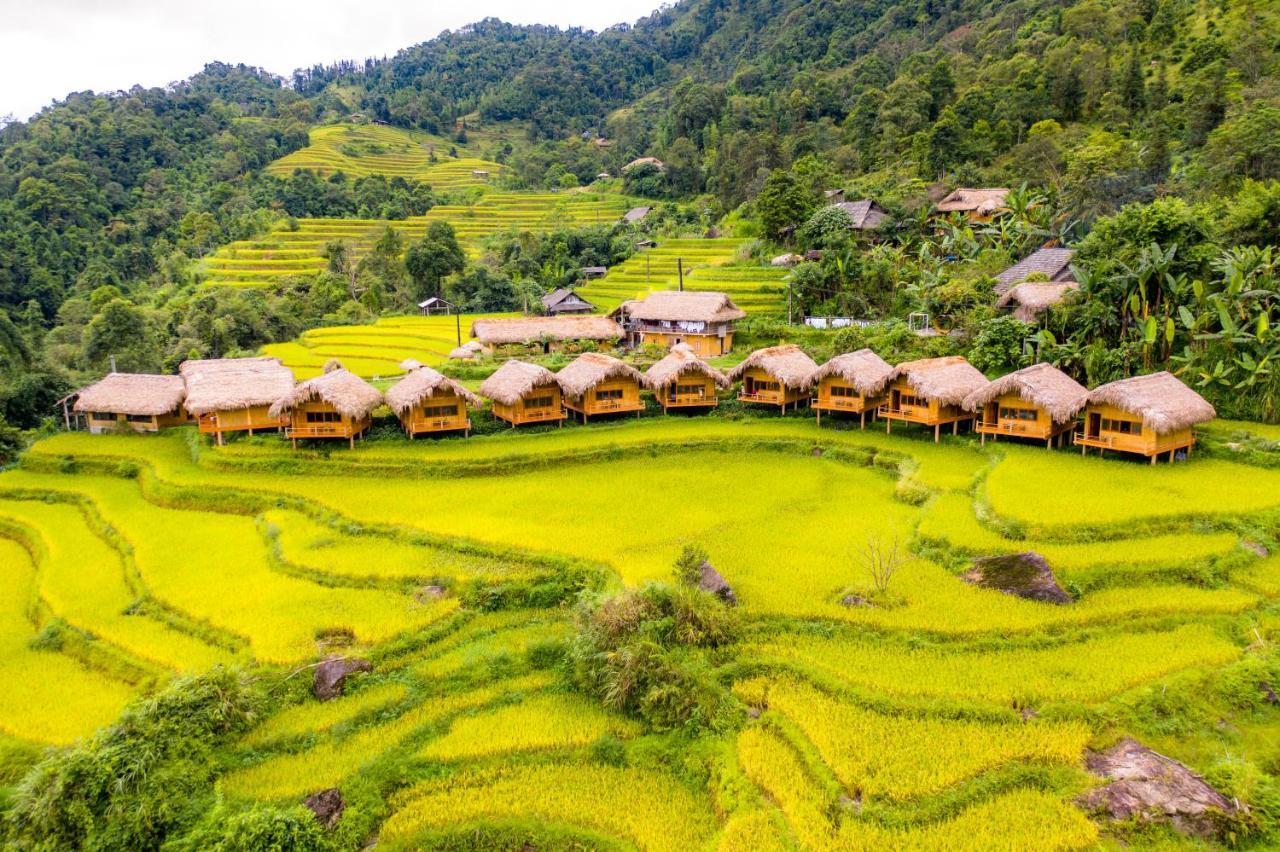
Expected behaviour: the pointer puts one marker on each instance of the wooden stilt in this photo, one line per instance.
(888, 425)
(863, 424)
(1153, 459)
(937, 433)
(983, 440)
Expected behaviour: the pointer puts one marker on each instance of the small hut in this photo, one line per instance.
(1045, 264)
(1029, 300)
(852, 383)
(469, 351)
(132, 402)
(335, 404)
(683, 380)
(524, 393)
(563, 300)
(864, 215)
(235, 394)
(547, 333)
(1148, 415)
(427, 402)
(594, 383)
(931, 392)
(778, 375)
(1039, 403)
(703, 320)
(978, 205)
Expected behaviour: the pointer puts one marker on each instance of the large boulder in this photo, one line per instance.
(328, 806)
(710, 580)
(332, 673)
(1153, 787)
(1026, 575)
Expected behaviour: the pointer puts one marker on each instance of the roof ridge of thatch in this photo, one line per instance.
(514, 379)
(1042, 385)
(142, 394)
(864, 369)
(503, 330)
(786, 362)
(948, 379)
(1163, 401)
(591, 369)
(350, 395)
(680, 360)
(424, 383)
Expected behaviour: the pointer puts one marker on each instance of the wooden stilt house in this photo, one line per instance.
(778, 375)
(683, 380)
(132, 402)
(335, 404)
(594, 383)
(1147, 415)
(931, 392)
(524, 393)
(852, 383)
(701, 320)
(427, 403)
(235, 394)
(1038, 403)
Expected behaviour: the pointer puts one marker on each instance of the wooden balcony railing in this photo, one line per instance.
(321, 430)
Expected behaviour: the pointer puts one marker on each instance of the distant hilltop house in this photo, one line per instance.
(636, 214)
(834, 196)
(701, 320)
(549, 333)
(435, 305)
(864, 215)
(645, 161)
(979, 205)
(592, 273)
(483, 174)
(1051, 280)
(564, 300)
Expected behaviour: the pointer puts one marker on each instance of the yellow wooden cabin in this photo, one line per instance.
(683, 380)
(702, 320)
(235, 394)
(524, 393)
(778, 375)
(852, 383)
(1151, 416)
(1036, 403)
(334, 405)
(131, 402)
(930, 392)
(594, 384)
(428, 402)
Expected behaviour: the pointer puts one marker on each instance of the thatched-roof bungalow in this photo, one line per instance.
(702, 320)
(683, 380)
(469, 351)
(1028, 301)
(524, 393)
(137, 402)
(235, 394)
(978, 205)
(594, 383)
(335, 404)
(852, 383)
(427, 402)
(931, 392)
(1039, 403)
(778, 375)
(548, 333)
(864, 215)
(1148, 415)
(1044, 264)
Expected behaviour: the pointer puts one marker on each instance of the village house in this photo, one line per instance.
(235, 394)
(524, 393)
(978, 205)
(594, 383)
(683, 380)
(436, 306)
(427, 402)
(1050, 265)
(702, 320)
(132, 402)
(852, 383)
(547, 334)
(778, 375)
(636, 214)
(563, 300)
(1038, 403)
(1147, 415)
(931, 392)
(336, 404)
(864, 215)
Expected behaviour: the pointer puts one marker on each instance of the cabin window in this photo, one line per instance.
(538, 402)
(841, 390)
(691, 390)
(766, 386)
(1017, 413)
(907, 400)
(324, 417)
(102, 416)
(612, 393)
(1122, 427)
(138, 418)
(440, 411)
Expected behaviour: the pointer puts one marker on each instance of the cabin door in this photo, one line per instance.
(895, 400)
(1095, 424)
(993, 413)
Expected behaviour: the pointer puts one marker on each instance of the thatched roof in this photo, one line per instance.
(422, 384)
(590, 369)
(1053, 263)
(1033, 299)
(787, 363)
(514, 379)
(680, 361)
(964, 200)
(948, 380)
(495, 332)
(1163, 402)
(685, 306)
(864, 215)
(468, 351)
(225, 384)
(1042, 385)
(866, 371)
(350, 395)
(133, 393)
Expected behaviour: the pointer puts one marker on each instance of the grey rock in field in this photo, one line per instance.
(327, 805)
(855, 600)
(1026, 575)
(427, 594)
(1256, 548)
(1269, 693)
(332, 673)
(711, 581)
(1152, 787)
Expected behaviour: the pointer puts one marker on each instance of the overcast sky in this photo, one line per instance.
(49, 48)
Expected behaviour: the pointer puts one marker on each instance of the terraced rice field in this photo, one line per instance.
(947, 717)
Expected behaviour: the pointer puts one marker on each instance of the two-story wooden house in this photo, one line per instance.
(702, 320)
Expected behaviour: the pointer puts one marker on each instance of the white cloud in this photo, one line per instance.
(49, 48)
